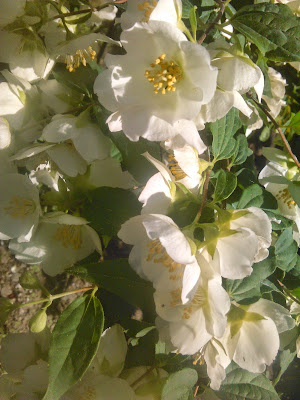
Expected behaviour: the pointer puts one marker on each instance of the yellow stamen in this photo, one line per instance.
(19, 207)
(285, 196)
(69, 235)
(80, 57)
(164, 75)
(175, 169)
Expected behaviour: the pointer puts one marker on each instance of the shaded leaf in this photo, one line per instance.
(286, 250)
(273, 28)
(74, 343)
(179, 385)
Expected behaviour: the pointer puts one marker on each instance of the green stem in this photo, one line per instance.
(84, 11)
(57, 296)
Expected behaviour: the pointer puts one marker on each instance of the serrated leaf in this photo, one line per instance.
(249, 288)
(278, 222)
(286, 250)
(240, 384)
(225, 185)
(242, 151)
(118, 277)
(140, 168)
(109, 208)
(186, 8)
(179, 385)
(252, 196)
(272, 28)
(74, 343)
(223, 130)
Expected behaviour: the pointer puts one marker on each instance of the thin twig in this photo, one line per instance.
(285, 142)
(215, 21)
(286, 290)
(83, 11)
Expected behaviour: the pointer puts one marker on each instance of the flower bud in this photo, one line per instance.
(38, 322)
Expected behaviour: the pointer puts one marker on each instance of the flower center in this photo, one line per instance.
(164, 75)
(19, 207)
(146, 8)
(198, 301)
(80, 57)
(158, 254)
(89, 393)
(69, 235)
(285, 196)
(175, 169)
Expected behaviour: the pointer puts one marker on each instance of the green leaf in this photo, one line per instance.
(249, 288)
(224, 144)
(252, 196)
(118, 277)
(286, 250)
(282, 223)
(109, 208)
(272, 28)
(29, 280)
(242, 151)
(186, 8)
(193, 21)
(133, 161)
(74, 343)
(285, 358)
(179, 385)
(226, 183)
(294, 189)
(240, 384)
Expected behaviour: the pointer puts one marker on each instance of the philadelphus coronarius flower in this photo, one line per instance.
(252, 335)
(174, 76)
(161, 253)
(10, 11)
(193, 323)
(236, 75)
(60, 241)
(19, 207)
(281, 189)
(251, 229)
(160, 190)
(23, 359)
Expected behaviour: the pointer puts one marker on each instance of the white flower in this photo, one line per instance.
(194, 322)
(32, 65)
(243, 239)
(161, 253)
(236, 75)
(59, 242)
(22, 358)
(19, 207)
(70, 143)
(278, 85)
(286, 205)
(162, 80)
(11, 10)
(153, 10)
(182, 167)
(251, 338)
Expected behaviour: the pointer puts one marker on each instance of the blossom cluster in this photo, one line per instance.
(67, 91)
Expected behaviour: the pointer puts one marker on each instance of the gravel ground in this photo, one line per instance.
(10, 273)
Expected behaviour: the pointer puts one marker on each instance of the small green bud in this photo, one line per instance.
(38, 322)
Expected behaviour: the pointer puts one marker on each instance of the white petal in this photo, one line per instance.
(237, 254)
(276, 312)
